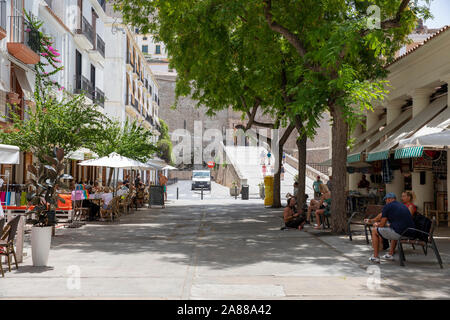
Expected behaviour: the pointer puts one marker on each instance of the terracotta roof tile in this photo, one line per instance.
(439, 32)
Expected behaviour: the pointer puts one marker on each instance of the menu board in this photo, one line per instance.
(156, 196)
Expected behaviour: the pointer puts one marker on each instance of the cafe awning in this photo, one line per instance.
(410, 152)
(382, 151)
(371, 140)
(9, 154)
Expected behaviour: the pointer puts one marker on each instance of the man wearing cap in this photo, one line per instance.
(399, 218)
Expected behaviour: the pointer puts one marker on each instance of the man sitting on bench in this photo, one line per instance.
(292, 219)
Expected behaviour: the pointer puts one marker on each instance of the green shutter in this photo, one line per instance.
(354, 158)
(382, 155)
(411, 152)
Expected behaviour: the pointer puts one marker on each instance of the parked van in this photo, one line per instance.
(201, 179)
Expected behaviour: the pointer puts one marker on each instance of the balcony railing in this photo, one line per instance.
(83, 85)
(3, 14)
(101, 46)
(134, 103)
(22, 33)
(99, 97)
(87, 30)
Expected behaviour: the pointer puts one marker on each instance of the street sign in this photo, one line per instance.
(210, 164)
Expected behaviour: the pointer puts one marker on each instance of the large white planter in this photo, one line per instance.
(41, 238)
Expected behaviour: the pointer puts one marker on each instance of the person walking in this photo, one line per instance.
(163, 182)
(316, 188)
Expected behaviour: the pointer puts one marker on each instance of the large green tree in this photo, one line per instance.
(232, 61)
(339, 54)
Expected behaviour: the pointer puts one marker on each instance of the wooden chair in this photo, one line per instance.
(112, 209)
(431, 212)
(79, 213)
(357, 218)
(7, 243)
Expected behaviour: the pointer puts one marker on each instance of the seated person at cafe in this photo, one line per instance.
(94, 209)
(399, 218)
(107, 196)
(408, 198)
(364, 183)
(292, 219)
(319, 206)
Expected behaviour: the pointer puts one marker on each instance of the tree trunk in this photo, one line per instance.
(301, 147)
(278, 163)
(339, 165)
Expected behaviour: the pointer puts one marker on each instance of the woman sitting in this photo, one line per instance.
(408, 198)
(292, 219)
(320, 206)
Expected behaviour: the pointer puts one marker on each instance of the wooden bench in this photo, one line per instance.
(357, 218)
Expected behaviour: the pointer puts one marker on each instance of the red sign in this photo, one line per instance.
(211, 164)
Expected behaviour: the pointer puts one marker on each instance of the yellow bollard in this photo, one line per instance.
(268, 185)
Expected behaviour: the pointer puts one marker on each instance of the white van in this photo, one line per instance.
(201, 179)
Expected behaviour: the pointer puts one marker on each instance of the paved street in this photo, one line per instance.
(219, 249)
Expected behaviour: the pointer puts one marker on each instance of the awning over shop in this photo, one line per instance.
(9, 154)
(371, 131)
(354, 158)
(410, 152)
(387, 130)
(24, 82)
(382, 151)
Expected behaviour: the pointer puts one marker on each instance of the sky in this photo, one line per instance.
(441, 12)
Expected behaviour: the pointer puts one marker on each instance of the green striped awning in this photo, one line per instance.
(354, 158)
(411, 152)
(382, 155)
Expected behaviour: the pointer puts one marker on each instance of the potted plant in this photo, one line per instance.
(234, 189)
(46, 178)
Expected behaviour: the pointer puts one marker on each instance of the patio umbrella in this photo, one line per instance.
(82, 154)
(436, 140)
(115, 161)
(169, 168)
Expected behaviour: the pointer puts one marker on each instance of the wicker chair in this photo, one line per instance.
(7, 243)
(112, 210)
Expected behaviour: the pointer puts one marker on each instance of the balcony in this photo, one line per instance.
(84, 36)
(24, 43)
(84, 86)
(99, 97)
(98, 53)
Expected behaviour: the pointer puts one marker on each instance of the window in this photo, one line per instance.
(158, 49)
(144, 38)
(145, 49)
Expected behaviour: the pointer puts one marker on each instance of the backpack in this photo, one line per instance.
(422, 223)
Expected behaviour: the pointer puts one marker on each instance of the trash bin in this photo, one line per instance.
(244, 192)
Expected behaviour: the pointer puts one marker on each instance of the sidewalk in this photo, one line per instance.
(218, 249)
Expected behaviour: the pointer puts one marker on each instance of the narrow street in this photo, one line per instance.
(218, 249)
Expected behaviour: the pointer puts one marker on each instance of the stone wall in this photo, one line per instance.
(180, 175)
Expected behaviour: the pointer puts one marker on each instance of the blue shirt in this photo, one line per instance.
(398, 216)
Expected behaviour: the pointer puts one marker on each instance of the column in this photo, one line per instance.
(424, 192)
(447, 80)
(393, 111)
(354, 178)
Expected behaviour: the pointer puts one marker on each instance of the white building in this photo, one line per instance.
(106, 65)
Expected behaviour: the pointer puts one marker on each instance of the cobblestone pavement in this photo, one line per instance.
(219, 249)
